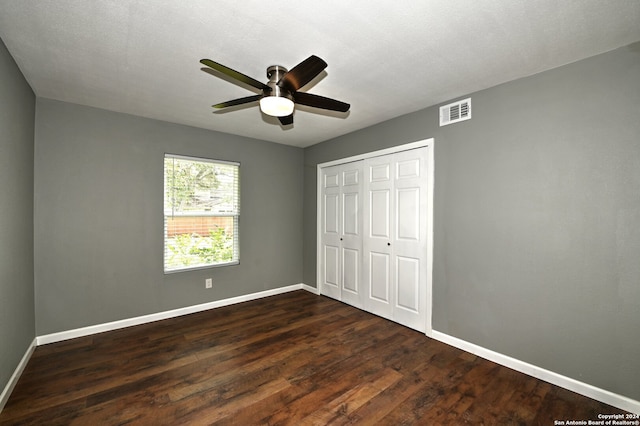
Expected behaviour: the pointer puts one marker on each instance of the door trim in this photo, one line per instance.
(429, 143)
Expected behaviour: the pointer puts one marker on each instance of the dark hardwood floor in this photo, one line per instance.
(295, 359)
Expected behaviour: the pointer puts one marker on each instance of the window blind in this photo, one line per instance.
(201, 213)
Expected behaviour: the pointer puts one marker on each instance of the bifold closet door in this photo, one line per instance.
(395, 237)
(341, 235)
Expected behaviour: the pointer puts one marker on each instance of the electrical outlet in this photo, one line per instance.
(208, 283)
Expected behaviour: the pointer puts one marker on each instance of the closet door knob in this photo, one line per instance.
(388, 244)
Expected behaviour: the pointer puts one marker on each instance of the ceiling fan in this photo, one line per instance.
(280, 93)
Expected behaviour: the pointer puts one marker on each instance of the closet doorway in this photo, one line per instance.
(375, 235)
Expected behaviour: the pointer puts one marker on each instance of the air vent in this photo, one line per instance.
(454, 112)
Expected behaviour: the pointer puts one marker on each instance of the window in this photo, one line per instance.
(201, 213)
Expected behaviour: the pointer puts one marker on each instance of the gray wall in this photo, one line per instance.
(99, 216)
(17, 111)
(536, 217)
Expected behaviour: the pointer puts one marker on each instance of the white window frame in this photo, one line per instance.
(170, 212)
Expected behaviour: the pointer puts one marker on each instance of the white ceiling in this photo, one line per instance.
(386, 58)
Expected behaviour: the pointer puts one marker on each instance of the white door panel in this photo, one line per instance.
(409, 168)
(379, 212)
(352, 175)
(331, 214)
(331, 179)
(408, 283)
(379, 172)
(379, 271)
(350, 269)
(408, 214)
(330, 270)
(350, 214)
(378, 296)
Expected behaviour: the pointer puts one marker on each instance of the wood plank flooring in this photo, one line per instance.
(295, 358)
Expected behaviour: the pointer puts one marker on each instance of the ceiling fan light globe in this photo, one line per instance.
(276, 106)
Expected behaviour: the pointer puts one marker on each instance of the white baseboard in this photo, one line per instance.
(314, 290)
(582, 388)
(13, 380)
(115, 325)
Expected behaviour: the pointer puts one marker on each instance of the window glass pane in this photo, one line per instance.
(201, 209)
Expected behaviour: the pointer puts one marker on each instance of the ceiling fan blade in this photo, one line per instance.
(239, 101)
(235, 74)
(302, 73)
(320, 102)
(285, 121)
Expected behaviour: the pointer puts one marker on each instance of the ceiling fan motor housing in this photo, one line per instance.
(275, 73)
